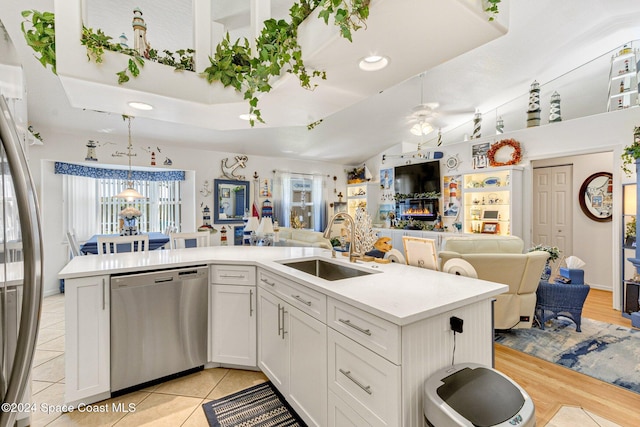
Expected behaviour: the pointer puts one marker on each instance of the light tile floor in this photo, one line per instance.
(173, 403)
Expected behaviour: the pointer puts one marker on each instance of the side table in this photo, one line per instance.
(556, 299)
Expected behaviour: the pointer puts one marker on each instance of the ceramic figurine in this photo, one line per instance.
(499, 126)
(91, 152)
(140, 42)
(477, 123)
(533, 113)
(554, 110)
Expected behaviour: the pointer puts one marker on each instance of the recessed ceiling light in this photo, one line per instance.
(248, 116)
(140, 105)
(373, 63)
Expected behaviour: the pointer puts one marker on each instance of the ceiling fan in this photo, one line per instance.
(425, 117)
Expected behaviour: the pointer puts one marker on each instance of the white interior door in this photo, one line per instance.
(552, 207)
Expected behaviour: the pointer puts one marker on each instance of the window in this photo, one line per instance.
(161, 208)
(91, 208)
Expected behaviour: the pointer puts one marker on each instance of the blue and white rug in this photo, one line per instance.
(610, 353)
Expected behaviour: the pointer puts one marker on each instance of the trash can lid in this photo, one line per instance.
(482, 396)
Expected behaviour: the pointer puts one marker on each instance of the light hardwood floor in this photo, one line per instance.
(551, 386)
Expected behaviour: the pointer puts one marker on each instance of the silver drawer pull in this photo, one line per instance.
(356, 327)
(355, 381)
(267, 282)
(232, 276)
(301, 300)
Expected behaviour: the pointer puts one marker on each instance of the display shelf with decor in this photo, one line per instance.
(627, 270)
(492, 201)
(362, 195)
(623, 79)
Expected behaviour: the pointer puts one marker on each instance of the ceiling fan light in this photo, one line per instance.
(373, 63)
(247, 116)
(422, 128)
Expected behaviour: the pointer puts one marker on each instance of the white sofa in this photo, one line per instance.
(301, 237)
(501, 260)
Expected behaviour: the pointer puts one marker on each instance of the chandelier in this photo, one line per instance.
(129, 193)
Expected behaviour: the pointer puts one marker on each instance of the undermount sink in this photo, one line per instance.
(325, 269)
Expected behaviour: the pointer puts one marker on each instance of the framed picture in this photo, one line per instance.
(490, 214)
(490, 227)
(226, 193)
(479, 155)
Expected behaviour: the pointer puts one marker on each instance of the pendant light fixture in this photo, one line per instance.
(129, 193)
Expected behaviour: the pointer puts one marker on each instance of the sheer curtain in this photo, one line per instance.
(81, 213)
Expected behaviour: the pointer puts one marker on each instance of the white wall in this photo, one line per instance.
(607, 132)
(200, 165)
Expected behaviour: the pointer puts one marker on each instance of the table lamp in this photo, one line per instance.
(265, 231)
(252, 226)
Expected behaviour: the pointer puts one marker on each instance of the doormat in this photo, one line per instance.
(259, 405)
(602, 350)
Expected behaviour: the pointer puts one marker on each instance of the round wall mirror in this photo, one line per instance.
(596, 196)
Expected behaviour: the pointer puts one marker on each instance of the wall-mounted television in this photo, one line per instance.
(417, 178)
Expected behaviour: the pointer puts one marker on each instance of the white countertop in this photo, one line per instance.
(399, 293)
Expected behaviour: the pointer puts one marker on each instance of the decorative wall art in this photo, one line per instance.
(229, 170)
(452, 162)
(533, 113)
(266, 187)
(387, 199)
(451, 196)
(596, 196)
(479, 157)
(505, 153)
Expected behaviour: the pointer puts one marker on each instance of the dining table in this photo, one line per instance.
(157, 240)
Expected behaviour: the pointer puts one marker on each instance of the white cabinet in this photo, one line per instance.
(492, 201)
(87, 342)
(232, 315)
(623, 79)
(363, 195)
(292, 346)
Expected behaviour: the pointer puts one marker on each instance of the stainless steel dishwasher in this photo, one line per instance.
(158, 325)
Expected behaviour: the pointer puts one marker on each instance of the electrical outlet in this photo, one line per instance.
(456, 324)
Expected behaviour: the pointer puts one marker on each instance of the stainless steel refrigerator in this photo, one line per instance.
(20, 270)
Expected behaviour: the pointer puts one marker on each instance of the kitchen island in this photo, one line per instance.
(355, 350)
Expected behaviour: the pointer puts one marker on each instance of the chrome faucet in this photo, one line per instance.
(327, 234)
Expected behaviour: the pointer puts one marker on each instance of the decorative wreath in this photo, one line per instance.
(516, 154)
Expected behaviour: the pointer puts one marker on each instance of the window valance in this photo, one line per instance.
(136, 175)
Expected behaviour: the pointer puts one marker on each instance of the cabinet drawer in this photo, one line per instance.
(223, 274)
(366, 382)
(306, 299)
(341, 415)
(371, 331)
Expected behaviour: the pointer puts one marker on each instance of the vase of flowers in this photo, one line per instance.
(554, 254)
(129, 221)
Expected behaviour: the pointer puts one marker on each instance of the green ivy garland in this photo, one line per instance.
(233, 64)
(427, 195)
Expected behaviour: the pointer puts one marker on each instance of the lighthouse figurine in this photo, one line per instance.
(91, 152)
(533, 113)
(140, 33)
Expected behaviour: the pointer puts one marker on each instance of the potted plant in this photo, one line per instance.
(631, 152)
(630, 233)
(554, 254)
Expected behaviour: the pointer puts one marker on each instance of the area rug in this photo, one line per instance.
(610, 353)
(260, 405)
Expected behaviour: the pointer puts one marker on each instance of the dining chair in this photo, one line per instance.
(117, 244)
(420, 252)
(179, 240)
(74, 247)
